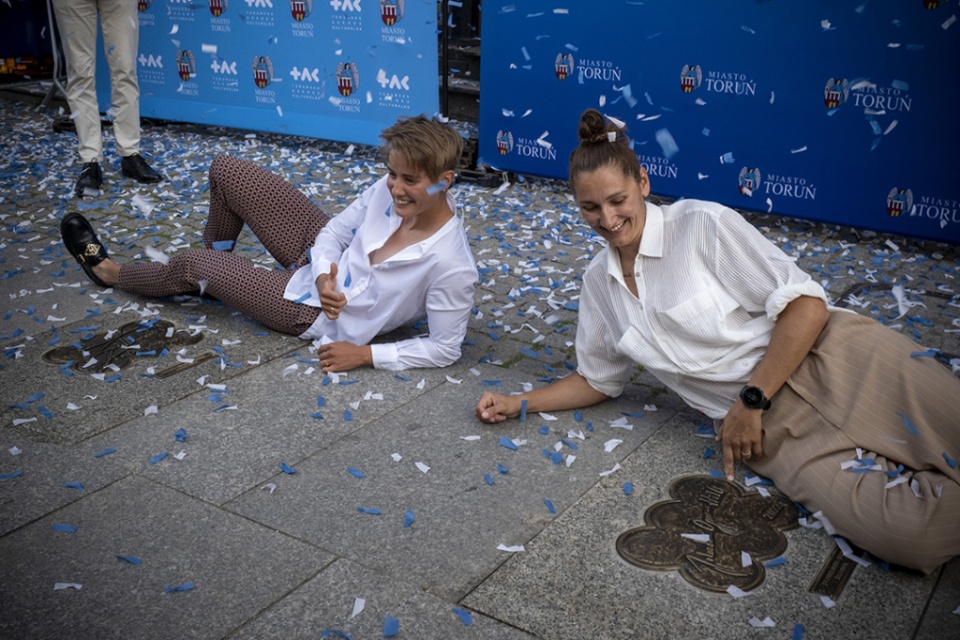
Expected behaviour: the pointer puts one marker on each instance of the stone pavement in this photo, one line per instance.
(212, 483)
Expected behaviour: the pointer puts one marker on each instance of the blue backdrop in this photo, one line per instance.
(830, 110)
(335, 69)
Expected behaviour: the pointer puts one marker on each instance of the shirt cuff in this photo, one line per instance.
(610, 389)
(786, 294)
(385, 356)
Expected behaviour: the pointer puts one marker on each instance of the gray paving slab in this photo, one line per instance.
(571, 583)
(327, 603)
(50, 476)
(460, 518)
(941, 620)
(237, 567)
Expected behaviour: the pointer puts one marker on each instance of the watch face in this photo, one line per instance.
(752, 396)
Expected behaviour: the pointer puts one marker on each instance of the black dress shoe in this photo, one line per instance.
(137, 168)
(81, 241)
(90, 178)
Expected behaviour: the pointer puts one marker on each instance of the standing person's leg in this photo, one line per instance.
(121, 31)
(235, 281)
(77, 24)
(283, 219)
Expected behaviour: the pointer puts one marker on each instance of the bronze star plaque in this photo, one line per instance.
(732, 519)
(132, 340)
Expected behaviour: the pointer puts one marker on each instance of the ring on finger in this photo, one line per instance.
(746, 454)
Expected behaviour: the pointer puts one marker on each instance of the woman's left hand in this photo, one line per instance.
(741, 434)
(344, 356)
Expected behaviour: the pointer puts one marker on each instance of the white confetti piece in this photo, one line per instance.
(828, 602)
(269, 487)
(290, 369)
(604, 474)
(547, 417)
(156, 255)
(745, 559)
(513, 549)
(181, 455)
(766, 622)
(19, 421)
(358, 605)
(470, 438)
(696, 537)
(151, 410)
(569, 460)
(612, 444)
(453, 380)
(424, 468)
(422, 383)
(208, 48)
(621, 423)
(59, 586)
(72, 407)
(737, 592)
(396, 457)
(948, 22)
(667, 144)
(15, 450)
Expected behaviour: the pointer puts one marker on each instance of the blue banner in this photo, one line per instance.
(839, 112)
(334, 69)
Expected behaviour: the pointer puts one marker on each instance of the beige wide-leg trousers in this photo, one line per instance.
(77, 22)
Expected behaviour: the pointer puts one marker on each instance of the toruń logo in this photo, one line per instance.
(217, 7)
(836, 92)
(690, 78)
(186, 65)
(564, 66)
(391, 11)
(143, 5)
(749, 180)
(348, 78)
(898, 201)
(504, 142)
(300, 9)
(932, 4)
(262, 68)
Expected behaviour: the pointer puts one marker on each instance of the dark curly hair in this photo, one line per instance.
(602, 143)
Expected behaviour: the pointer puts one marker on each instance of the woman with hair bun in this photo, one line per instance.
(796, 387)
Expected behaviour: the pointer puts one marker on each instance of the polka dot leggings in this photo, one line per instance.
(282, 218)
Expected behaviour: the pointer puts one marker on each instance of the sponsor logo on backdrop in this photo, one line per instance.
(941, 210)
(218, 23)
(930, 5)
(658, 167)
(348, 78)
(225, 76)
(530, 148)
(563, 67)
(598, 70)
(898, 201)
(143, 5)
(347, 15)
(391, 11)
(749, 180)
(394, 90)
(300, 9)
(504, 142)
(259, 13)
(307, 84)
(836, 92)
(150, 69)
(217, 7)
(880, 100)
(262, 68)
(691, 76)
(180, 11)
(186, 65)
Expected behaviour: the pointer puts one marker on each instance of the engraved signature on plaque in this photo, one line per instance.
(133, 340)
(703, 530)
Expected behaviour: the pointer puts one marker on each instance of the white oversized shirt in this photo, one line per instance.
(432, 279)
(709, 290)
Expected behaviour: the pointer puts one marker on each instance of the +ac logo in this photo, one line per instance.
(305, 75)
(151, 61)
(223, 66)
(394, 82)
(345, 5)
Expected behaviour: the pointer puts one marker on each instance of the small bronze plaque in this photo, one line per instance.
(132, 340)
(732, 519)
(833, 575)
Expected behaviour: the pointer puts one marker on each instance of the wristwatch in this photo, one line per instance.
(753, 398)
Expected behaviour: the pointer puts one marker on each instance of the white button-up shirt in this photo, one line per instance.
(432, 279)
(709, 290)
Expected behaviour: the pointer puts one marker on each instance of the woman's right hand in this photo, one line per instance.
(331, 300)
(494, 407)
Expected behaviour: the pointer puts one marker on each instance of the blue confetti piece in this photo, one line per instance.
(909, 425)
(776, 562)
(180, 435)
(523, 411)
(316, 415)
(589, 426)
(287, 468)
(490, 383)
(465, 616)
(223, 245)
(572, 306)
(303, 298)
(556, 457)
(35, 397)
(356, 473)
(506, 442)
(544, 430)
(160, 456)
(550, 506)
(578, 416)
(717, 473)
(569, 444)
(74, 485)
(347, 416)
(43, 411)
(400, 376)
(186, 586)
(798, 630)
(105, 452)
(502, 469)
(344, 383)
(950, 461)
(326, 633)
(627, 488)
(65, 528)
(486, 477)
(113, 378)
(131, 559)
(369, 510)
(391, 626)
(633, 414)
(347, 281)
(321, 401)
(14, 474)
(708, 453)
(530, 352)
(408, 519)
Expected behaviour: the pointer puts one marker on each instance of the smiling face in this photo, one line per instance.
(613, 204)
(415, 195)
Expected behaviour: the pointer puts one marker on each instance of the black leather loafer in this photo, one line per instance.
(137, 168)
(81, 241)
(90, 178)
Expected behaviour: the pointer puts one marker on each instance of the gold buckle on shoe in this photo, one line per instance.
(91, 250)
